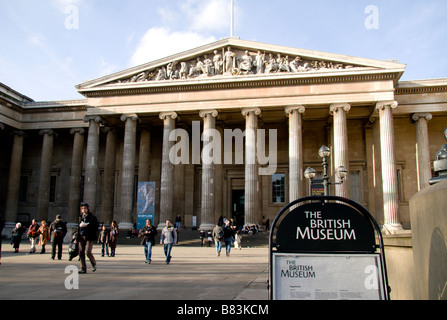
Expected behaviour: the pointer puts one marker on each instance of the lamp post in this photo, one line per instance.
(310, 173)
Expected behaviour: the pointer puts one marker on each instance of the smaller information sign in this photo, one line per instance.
(327, 277)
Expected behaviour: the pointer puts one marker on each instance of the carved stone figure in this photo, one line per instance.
(183, 70)
(229, 60)
(259, 62)
(197, 70)
(233, 63)
(218, 62)
(246, 63)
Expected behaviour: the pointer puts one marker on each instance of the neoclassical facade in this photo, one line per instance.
(226, 129)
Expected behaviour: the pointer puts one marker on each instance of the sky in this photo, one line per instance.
(47, 47)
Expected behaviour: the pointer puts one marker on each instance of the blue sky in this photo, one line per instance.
(49, 46)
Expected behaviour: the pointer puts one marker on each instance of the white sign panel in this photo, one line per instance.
(327, 277)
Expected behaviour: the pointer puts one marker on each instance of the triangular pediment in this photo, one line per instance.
(233, 59)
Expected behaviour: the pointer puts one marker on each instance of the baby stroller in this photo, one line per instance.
(73, 247)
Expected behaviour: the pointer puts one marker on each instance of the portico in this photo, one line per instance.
(123, 131)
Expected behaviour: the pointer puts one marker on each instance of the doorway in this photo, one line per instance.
(238, 207)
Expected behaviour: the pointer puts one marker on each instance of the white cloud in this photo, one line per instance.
(211, 15)
(159, 42)
(199, 19)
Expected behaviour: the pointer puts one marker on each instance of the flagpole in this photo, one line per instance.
(232, 18)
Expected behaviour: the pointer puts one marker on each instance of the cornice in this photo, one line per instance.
(240, 83)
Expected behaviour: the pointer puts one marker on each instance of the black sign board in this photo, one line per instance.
(324, 247)
(328, 227)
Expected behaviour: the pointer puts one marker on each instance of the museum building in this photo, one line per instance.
(260, 112)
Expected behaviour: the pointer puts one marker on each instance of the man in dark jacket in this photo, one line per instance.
(148, 234)
(58, 230)
(88, 228)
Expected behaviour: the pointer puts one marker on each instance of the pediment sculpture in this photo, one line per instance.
(229, 62)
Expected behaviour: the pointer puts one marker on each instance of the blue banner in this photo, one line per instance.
(145, 203)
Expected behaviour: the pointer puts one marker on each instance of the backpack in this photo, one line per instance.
(58, 231)
(219, 233)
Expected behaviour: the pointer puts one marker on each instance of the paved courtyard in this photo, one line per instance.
(195, 273)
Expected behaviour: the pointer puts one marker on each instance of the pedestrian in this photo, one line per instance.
(202, 237)
(88, 228)
(178, 222)
(148, 233)
(33, 233)
(103, 239)
(218, 237)
(168, 238)
(228, 233)
(44, 235)
(238, 240)
(114, 231)
(17, 234)
(58, 230)
(209, 235)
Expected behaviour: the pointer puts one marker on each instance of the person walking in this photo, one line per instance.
(33, 233)
(148, 233)
(168, 238)
(228, 233)
(113, 239)
(44, 236)
(88, 228)
(103, 239)
(58, 229)
(17, 234)
(218, 237)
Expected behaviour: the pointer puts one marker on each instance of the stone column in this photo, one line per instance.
(296, 173)
(128, 171)
(389, 168)
(422, 149)
(91, 161)
(251, 173)
(207, 215)
(341, 152)
(15, 171)
(108, 183)
(144, 155)
(167, 171)
(219, 179)
(45, 174)
(76, 175)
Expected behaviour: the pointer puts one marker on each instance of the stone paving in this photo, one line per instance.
(195, 273)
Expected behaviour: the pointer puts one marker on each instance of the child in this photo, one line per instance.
(104, 240)
(238, 240)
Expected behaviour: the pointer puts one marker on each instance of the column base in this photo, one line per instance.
(206, 227)
(125, 226)
(392, 228)
(7, 229)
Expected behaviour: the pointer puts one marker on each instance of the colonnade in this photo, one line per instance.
(296, 183)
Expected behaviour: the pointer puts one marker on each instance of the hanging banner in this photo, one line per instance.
(145, 203)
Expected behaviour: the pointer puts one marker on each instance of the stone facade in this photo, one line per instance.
(386, 132)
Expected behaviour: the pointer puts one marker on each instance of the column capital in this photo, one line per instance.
(204, 113)
(97, 119)
(108, 129)
(19, 133)
(291, 109)
(334, 107)
(416, 116)
(81, 131)
(49, 132)
(164, 115)
(381, 105)
(247, 111)
(132, 116)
